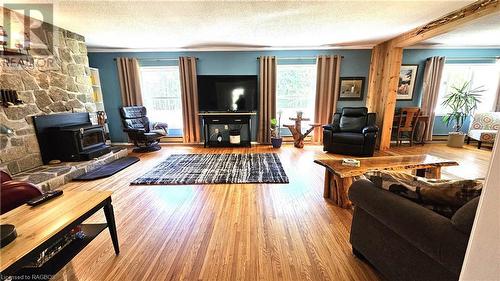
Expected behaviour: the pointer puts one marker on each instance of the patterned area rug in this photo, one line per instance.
(216, 168)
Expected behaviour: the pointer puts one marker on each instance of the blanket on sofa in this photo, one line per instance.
(442, 196)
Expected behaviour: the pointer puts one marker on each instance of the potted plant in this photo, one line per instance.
(461, 103)
(276, 139)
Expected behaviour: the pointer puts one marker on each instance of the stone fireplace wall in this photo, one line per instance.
(62, 85)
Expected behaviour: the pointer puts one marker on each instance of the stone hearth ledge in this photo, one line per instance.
(50, 177)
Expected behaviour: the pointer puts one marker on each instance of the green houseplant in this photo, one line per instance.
(461, 103)
(276, 139)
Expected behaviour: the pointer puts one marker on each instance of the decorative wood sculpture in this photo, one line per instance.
(296, 130)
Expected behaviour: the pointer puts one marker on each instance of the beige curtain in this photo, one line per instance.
(267, 97)
(189, 98)
(130, 83)
(432, 79)
(327, 89)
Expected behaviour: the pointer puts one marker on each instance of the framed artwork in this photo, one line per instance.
(407, 78)
(351, 88)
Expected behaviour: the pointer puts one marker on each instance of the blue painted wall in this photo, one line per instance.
(355, 63)
(418, 56)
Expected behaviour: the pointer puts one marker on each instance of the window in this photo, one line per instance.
(161, 94)
(295, 91)
(481, 74)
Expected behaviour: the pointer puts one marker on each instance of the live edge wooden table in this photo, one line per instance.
(338, 178)
(40, 226)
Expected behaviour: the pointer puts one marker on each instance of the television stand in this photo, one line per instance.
(227, 120)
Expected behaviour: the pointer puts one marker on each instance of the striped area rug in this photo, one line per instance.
(216, 168)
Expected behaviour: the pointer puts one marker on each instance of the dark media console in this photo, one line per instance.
(235, 121)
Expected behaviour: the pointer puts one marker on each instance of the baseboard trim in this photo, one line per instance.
(285, 140)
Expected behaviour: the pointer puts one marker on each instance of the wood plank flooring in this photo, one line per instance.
(235, 231)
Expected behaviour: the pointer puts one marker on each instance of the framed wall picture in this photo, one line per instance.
(407, 78)
(351, 88)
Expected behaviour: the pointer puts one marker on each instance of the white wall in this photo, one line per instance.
(482, 260)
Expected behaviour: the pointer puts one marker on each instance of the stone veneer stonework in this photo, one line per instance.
(61, 86)
(51, 177)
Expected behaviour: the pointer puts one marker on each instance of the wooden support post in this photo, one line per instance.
(383, 83)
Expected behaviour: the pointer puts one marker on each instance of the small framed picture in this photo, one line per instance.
(351, 88)
(407, 78)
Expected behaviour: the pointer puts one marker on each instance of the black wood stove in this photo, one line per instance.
(69, 137)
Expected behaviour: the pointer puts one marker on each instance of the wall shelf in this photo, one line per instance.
(96, 87)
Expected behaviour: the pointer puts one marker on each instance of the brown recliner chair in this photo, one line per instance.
(15, 193)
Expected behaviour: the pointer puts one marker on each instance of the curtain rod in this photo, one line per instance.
(159, 59)
(298, 58)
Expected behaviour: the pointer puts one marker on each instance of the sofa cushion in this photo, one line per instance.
(463, 219)
(483, 135)
(348, 138)
(442, 196)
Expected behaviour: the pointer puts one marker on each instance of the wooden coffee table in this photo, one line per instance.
(41, 226)
(338, 178)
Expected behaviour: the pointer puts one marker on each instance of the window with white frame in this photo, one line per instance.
(295, 91)
(484, 75)
(161, 94)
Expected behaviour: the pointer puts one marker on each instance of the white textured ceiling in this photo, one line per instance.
(484, 32)
(166, 25)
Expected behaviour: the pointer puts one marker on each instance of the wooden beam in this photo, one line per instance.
(387, 57)
(448, 22)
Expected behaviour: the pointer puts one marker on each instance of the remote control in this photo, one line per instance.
(44, 197)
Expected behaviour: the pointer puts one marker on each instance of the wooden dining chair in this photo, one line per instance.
(405, 123)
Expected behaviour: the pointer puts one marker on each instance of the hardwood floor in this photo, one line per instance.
(235, 231)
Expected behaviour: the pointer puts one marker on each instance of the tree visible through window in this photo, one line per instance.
(161, 95)
(296, 91)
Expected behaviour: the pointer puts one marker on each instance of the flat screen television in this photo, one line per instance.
(227, 93)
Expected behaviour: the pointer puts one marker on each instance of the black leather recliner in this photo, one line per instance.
(353, 132)
(136, 124)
